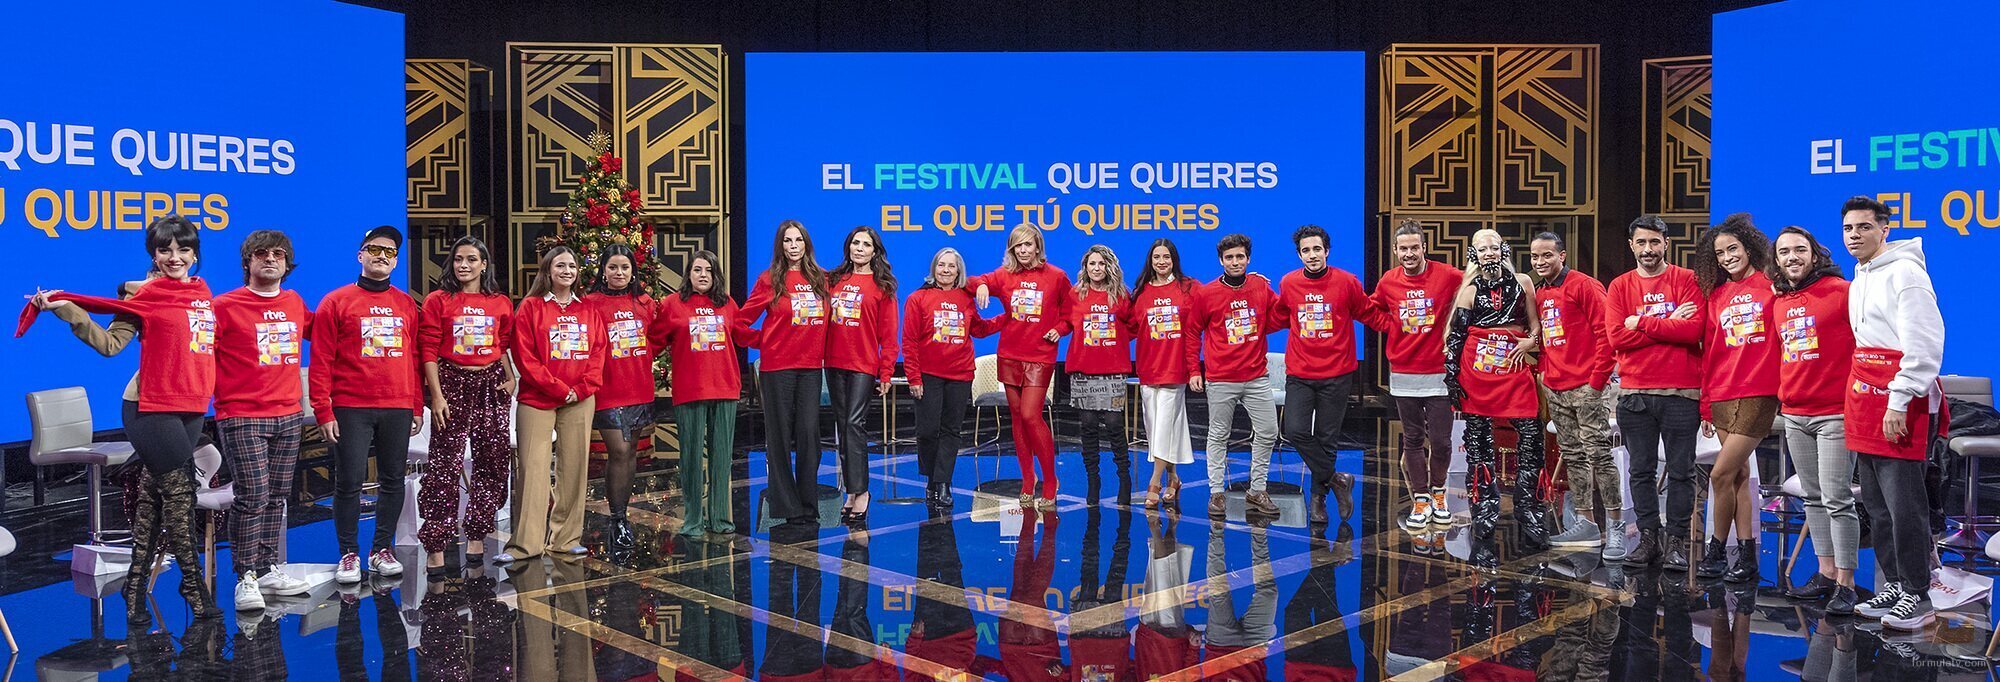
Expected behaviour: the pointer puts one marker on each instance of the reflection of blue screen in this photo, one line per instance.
(324, 76)
(1792, 78)
(1298, 111)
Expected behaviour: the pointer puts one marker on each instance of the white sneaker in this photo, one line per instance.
(1909, 614)
(384, 562)
(248, 596)
(276, 582)
(349, 571)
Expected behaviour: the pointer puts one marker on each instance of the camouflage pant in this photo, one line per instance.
(1583, 431)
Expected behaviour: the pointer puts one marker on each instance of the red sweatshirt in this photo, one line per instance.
(365, 352)
(559, 349)
(1664, 353)
(263, 339)
(1235, 323)
(628, 361)
(1321, 313)
(702, 338)
(937, 326)
(468, 330)
(1103, 340)
(1739, 354)
(1162, 319)
(1415, 313)
(863, 335)
(1817, 351)
(1036, 300)
(794, 331)
(1574, 352)
(177, 355)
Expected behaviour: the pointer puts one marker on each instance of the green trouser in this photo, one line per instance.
(708, 437)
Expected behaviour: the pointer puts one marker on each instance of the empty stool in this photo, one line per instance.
(1968, 538)
(62, 435)
(210, 498)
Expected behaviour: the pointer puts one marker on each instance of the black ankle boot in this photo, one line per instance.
(621, 533)
(1647, 552)
(1675, 555)
(1714, 560)
(1745, 568)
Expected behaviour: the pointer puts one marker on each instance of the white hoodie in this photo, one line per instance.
(1891, 305)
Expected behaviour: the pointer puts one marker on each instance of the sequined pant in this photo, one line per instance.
(478, 413)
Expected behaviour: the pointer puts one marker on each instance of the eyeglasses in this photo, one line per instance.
(379, 250)
(268, 253)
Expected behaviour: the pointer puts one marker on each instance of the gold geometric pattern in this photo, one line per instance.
(664, 108)
(1434, 129)
(434, 113)
(1679, 109)
(1544, 128)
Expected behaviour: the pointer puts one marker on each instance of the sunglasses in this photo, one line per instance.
(268, 253)
(378, 250)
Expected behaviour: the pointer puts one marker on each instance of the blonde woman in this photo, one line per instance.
(1037, 299)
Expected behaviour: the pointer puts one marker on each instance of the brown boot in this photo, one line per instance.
(1260, 502)
(177, 524)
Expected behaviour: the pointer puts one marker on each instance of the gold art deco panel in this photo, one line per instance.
(561, 94)
(1489, 129)
(435, 112)
(1679, 106)
(670, 113)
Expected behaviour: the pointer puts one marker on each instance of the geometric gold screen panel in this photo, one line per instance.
(664, 108)
(1490, 136)
(447, 108)
(1679, 107)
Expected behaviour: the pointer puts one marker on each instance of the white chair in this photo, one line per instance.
(210, 498)
(6, 548)
(62, 432)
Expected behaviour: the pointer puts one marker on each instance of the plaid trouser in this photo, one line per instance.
(263, 453)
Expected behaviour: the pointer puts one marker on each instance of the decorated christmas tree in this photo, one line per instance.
(605, 209)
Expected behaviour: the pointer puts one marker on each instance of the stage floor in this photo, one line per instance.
(992, 591)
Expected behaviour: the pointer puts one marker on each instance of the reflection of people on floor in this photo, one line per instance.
(201, 655)
(1730, 610)
(793, 651)
(850, 618)
(548, 652)
(1104, 653)
(1227, 631)
(1164, 643)
(1582, 650)
(1421, 633)
(624, 605)
(941, 630)
(1315, 606)
(1656, 636)
(1533, 600)
(260, 652)
(709, 633)
(349, 656)
(1830, 653)
(1028, 648)
(467, 632)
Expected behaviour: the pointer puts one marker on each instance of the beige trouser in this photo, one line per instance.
(536, 527)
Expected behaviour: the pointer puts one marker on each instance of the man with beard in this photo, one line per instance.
(1815, 355)
(1650, 319)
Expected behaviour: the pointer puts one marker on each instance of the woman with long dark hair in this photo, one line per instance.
(1163, 300)
(1100, 357)
(1037, 299)
(699, 327)
(939, 322)
(176, 380)
(560, 343)
(1739, 393)
(625, 404)
(790, 297)
(467, 327)
(860, 354)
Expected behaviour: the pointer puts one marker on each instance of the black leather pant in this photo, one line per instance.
(850, 392)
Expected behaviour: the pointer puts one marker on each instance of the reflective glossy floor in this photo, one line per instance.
(1089, 591)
